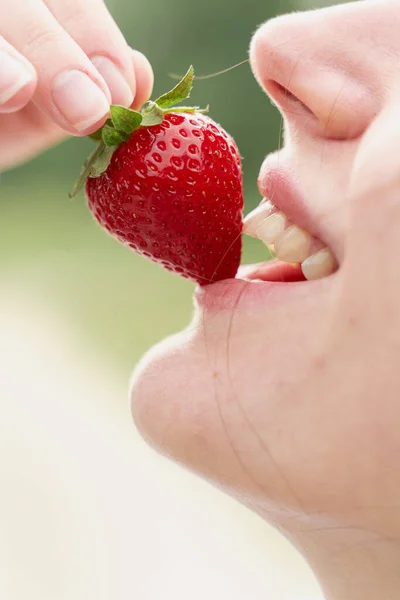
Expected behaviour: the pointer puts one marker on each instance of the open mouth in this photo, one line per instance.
(284, 223)
(300, 255)
(302, 260)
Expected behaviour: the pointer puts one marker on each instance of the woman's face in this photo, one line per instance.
(287, 395)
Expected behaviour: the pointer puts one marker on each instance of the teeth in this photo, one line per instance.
(253, 219)
(271, 227)
(293, 245)
(319, 265)
(290, 243)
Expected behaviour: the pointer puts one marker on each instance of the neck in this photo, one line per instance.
(351, 564)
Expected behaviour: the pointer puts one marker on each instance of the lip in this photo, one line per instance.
(250, 293)
(232, 294)
(254, 284)
(277, 184)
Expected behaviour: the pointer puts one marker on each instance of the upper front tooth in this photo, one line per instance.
(256, 216)
(271, 227)
(293, 245)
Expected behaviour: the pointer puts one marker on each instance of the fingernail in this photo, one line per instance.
(120, 89)
(14, 76)
(79, 99)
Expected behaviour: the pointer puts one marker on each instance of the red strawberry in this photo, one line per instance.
(171, 188)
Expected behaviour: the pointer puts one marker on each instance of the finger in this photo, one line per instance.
(69, 88)
(17, 79)
(92, 27)
(25, 134)
(144, 78)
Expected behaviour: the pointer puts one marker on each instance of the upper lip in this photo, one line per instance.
(277, 184)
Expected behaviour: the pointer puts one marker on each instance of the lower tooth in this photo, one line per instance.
(319, 265)
(293, 245)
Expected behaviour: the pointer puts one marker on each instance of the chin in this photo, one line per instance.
(178, 394)
(169, 394)
(155, 385)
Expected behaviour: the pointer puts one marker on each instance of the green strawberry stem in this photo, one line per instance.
(124, 121)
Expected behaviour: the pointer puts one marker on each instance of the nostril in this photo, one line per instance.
(285, 99)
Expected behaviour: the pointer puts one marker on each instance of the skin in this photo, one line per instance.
(306, 434)
(67, 34)
(289, 400)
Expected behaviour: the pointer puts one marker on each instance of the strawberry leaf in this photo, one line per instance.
(124, 119)
(180, 92)
(188, 109)
(96, 164)
(112, 137)
(96, 135)
(102, 161)
(152, 114)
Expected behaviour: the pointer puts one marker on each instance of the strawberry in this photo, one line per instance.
(167, 182)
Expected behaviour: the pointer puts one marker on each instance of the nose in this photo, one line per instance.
(310, 74)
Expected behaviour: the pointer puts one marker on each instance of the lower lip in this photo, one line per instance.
(270, 282)
(265, 283)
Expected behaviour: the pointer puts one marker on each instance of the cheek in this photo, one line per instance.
(170, 398)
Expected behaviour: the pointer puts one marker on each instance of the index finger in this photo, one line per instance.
(69, 88)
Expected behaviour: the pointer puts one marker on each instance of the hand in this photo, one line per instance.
(62, 63)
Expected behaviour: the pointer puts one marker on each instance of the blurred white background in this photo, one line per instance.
(87, 510)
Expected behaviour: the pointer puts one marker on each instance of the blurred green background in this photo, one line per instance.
(104, 290)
